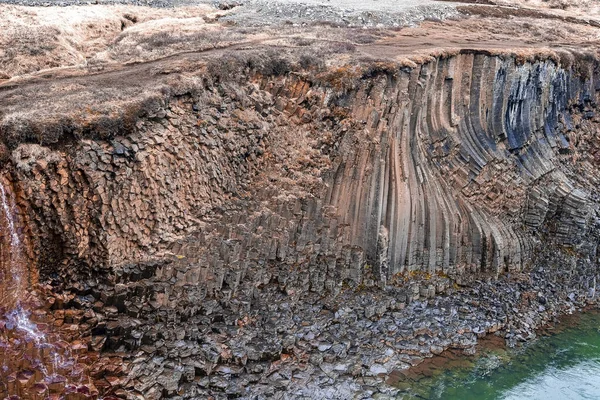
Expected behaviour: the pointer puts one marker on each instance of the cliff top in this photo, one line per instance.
(67, 65)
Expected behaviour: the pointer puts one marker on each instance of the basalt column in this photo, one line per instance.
(459, 165)
(17, 276)
(454, 166)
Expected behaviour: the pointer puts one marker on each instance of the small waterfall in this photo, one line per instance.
(15, 278)
(34, 362)
(14, 273)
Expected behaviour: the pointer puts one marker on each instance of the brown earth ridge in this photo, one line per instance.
(287, 211)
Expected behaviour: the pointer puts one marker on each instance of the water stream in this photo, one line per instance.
(34, 361)
(14, 269)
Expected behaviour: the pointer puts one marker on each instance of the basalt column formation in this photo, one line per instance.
(35, 361)
(410, 175)
(462, 166)
(15, 275)
(462, 163)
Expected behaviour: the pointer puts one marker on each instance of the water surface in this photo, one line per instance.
(562, 366)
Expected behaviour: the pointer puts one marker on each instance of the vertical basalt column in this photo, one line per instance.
(456, 165)
(35, 361)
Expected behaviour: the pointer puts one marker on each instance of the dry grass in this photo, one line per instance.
(34, 39)
(153, 44)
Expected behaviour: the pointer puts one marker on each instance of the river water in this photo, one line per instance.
(564, 365)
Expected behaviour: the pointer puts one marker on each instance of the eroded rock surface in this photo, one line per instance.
(260, 223)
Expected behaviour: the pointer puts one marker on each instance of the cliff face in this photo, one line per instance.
(463, 163)
(176, 224)
(211, 202)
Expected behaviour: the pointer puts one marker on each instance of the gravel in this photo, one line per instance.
(381, 13)
(368, 13)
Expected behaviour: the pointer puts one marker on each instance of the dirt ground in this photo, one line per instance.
(56, 60)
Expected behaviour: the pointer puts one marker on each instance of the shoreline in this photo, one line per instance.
(450, 359)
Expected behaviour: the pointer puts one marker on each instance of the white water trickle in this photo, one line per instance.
(18, 317)
(15, 257)
(8, 212)
(25, 345)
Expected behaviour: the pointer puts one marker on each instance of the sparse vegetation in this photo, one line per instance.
(236, 65)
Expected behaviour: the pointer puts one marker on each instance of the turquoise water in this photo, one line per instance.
(563, 366)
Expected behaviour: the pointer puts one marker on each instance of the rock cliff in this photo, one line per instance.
(460, 164)
(193, 211)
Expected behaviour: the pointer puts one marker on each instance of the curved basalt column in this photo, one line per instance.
(462, 164)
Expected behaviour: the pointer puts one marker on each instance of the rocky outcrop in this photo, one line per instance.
(462, 173)
(411, 177)
(459, 164)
